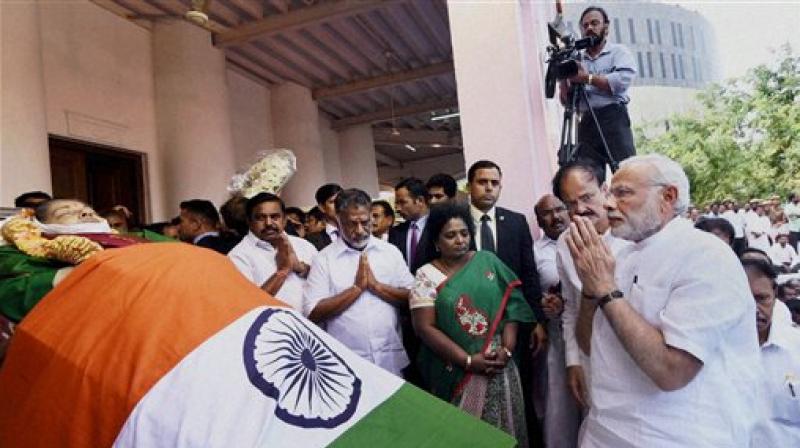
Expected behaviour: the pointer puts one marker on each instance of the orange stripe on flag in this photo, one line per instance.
(85, 356)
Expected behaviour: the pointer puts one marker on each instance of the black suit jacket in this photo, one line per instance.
(514, 246)
(222, 243)
(398, 235)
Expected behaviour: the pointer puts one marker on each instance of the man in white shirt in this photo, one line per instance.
(792, 211)
(780, 355)
(674, 353)
(356, 285)
(782, 254)
(580, 185)
(276, 262)
(561, 416)
(326, 199)
(757, 227)
(736, 219)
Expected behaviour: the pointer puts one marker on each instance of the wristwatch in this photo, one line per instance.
(613, 295)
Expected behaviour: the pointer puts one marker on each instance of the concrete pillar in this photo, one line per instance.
(194, 128)
(357, 154)
(498, 72)
(295, 123)
(24, 154)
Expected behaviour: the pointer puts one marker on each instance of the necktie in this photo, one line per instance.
(487, 239)
(412, 248)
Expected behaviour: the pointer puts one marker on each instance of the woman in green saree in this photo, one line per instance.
(465, 309)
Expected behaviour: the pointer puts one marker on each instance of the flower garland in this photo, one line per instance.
(23, 233)
(270, 173)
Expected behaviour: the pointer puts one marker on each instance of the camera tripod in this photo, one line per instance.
(568, 148)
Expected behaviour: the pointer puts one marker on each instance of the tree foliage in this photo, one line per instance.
(744, 142)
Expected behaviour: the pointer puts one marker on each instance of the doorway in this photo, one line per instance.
(102, 176)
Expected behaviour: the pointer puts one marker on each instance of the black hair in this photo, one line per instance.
(416, 188)
(440, 215)
(720, 224)
(296, 211)
(326, 191)
(594, 8)
(482, 165)
(444, 181)
(175, 221)
(203, 209)
(387, 208)
(753, 250)
(22, 200)
(234, 214)
(587, 166)
(352, 197)
(261, 198)
(316, 213)
(762, 267)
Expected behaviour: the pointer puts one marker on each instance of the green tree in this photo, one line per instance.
(743, 142)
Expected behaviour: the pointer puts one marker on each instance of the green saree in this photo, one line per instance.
(472, 308)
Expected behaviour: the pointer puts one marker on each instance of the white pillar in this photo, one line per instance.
(194, 128)
(24, 153)
(295, 123)
(357, 155)
(498, 73)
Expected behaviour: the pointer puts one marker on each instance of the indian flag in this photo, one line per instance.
(166, 345)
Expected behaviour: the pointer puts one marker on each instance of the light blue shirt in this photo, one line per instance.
(616, 63)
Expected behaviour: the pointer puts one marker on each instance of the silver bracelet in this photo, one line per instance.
(468, 364)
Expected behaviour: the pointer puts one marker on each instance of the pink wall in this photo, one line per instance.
(251, 123)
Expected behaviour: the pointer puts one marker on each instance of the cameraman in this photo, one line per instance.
(606, 70)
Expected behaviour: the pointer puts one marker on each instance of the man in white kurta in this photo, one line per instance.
(274, 261)
(780, 355)
(782, 253)
(674, 353)
(356, 285)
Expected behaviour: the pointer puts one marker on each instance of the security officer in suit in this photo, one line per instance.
(506, 233)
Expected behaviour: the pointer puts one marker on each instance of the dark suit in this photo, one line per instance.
(398, 236)
(320, 240)
(514, 246)
(222, 243)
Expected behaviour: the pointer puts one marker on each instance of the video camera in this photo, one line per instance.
(563, 54)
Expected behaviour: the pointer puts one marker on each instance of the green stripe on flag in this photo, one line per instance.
(413, 418)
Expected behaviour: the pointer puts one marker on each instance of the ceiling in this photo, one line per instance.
(383, 62)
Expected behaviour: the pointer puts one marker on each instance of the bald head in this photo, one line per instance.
(551, 214)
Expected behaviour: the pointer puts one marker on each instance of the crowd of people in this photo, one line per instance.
(621, 322)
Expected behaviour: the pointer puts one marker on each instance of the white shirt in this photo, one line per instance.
(203, 235)
(781, 357)
(544, 250)
(332, 231)
(420, 223)
(370, 326)
(737, 221)
(782, 254)
(691, 287)
(759, 224)
(476, 220)
(255, 259)
(571, 287)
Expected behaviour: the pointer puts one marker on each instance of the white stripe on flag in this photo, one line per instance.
(208, 399)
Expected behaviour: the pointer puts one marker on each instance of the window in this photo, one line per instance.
(674, 67)
(691, 37)
(694, 68)
(680, 64)
(649, 64)
(650, 30)
(674, 35)
(680, 35)
(641, 65)
(658, 32)
(617, 39)
(632, 31)
(663, 66)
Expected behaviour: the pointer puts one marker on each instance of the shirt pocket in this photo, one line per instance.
(649, 301)
(785, 407)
